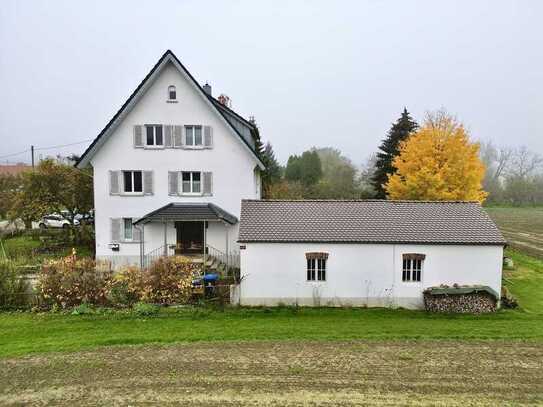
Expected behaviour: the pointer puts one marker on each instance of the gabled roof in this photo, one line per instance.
(179, 211)
(367, 221)
(168, 56)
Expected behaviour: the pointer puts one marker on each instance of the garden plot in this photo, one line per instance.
(522, 227)
(282, 374)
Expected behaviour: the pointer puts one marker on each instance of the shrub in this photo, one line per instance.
(14, 290)
(144, 309)
(83, 309)
(71, 281)
(126, 287)
(169, 280)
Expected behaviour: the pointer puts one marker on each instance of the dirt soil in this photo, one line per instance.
(281, 374)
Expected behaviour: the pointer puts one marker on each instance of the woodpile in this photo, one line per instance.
(472, 300)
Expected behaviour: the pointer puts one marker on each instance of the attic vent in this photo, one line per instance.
(207, 89)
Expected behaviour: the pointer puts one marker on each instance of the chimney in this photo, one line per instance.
(207, 89)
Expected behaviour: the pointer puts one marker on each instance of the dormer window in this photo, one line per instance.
(172, 94)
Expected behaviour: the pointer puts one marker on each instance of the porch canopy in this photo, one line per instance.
(188, 211)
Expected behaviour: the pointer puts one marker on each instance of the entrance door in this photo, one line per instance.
(190, 237)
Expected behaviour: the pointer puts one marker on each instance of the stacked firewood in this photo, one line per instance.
(474, 303)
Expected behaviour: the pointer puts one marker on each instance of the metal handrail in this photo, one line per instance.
(230, 260)
(154, 255)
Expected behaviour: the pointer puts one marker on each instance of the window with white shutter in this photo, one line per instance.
(178, 136)
(148, 182)
(116, 230)
(154, 136)
(173, 182)
(114, 182)
(208, 136)
(193, 136)
(208, 184)
(132, 182)
(138, 136)
(168, 136)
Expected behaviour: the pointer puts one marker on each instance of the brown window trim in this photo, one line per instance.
(316, 255)
(413, 256)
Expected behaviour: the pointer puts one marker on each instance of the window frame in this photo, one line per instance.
(131, 238)
(191, 181)
(412, 268)
(316, 270)
(154, 145)
(170, 89)
(193, 128)
(133, 183)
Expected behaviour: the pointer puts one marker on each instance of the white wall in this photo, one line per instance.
(229, 160)
(360, 274)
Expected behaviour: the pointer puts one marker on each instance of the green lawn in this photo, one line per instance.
(24, 333)
(526, 281)
(21, 250)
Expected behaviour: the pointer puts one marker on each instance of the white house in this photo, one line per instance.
(170, 170)
(363, 253)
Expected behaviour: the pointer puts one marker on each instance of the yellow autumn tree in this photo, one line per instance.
(438, 162)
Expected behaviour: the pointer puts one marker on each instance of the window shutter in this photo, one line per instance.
(168, 136)
(116, 229)
(148, 182)
(136, 232)
(138, 136)
(177, 136)
(208, 183)
(173, 182)
(208, 136)
(114, 182)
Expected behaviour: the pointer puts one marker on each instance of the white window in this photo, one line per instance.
(133, 182)
(412, 267)
(193, 136)
(153, 135)
(127, 229)
(191, 182)
(172, 94)
(316, 269)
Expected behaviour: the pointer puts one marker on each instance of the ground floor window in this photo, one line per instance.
(127, 229)
(412, 267)
(316, 266)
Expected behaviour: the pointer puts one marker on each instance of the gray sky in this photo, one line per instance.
(313, 73)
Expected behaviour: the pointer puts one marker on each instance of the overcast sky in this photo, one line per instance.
(332, 73)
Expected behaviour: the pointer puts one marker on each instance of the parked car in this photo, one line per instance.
(87, 218)
(55, 221)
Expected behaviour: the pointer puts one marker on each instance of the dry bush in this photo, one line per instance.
(167, 281)
(71, 281)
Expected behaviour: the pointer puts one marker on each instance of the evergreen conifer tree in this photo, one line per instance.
(389, 149)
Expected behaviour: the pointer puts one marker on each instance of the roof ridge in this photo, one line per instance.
(360, 200)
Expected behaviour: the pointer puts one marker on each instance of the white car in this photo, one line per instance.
(55, 221)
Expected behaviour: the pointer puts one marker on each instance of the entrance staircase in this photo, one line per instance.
(213, 261)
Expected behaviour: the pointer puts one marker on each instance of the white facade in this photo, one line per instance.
(233, 166)
(361, 274)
